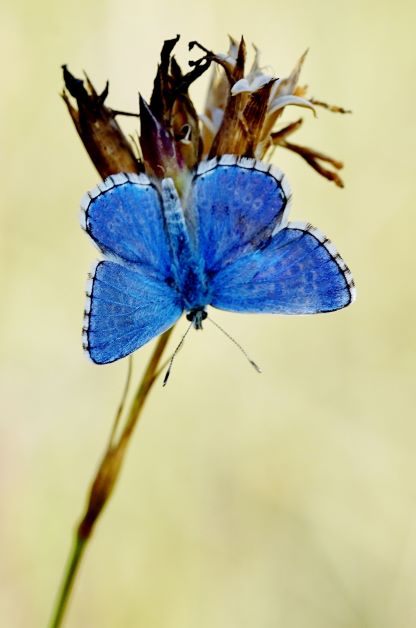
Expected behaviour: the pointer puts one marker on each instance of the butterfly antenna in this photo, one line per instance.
(237, 344)
(165, 379)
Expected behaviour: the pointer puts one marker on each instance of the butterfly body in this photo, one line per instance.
(226, 242)
(188, 270)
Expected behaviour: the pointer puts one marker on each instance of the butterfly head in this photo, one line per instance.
(196, 316)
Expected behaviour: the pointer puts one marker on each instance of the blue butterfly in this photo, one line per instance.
(228, 244)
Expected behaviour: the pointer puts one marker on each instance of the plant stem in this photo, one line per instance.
(74, 562)
(105, 479)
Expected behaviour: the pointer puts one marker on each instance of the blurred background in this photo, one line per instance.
(286, 499)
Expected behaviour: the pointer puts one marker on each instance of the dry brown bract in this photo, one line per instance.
(240, 117)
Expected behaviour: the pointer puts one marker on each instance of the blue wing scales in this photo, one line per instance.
(236, 204)
(125, 309)
(124, 217)
(298, 272)
(236, 217)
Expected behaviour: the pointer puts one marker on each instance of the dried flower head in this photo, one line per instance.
(240, 116)
(242, 110)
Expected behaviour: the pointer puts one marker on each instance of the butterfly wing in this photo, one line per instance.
(130, 295)
(236, 205)
(299, 271)
(125, 309)
(123, 215)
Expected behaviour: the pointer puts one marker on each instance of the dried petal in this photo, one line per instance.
(98, 129)
(333, 108)
(313, 157)
(157, 145)
(288, 85)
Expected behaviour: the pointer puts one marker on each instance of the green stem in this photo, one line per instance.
(74, 561)
(105, 479)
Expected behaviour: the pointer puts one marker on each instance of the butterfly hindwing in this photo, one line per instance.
(125, 309)
(124, 217)
(236, 204)
(298, 272)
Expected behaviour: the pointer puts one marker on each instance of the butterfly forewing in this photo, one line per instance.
(238, 203)
(124, 216)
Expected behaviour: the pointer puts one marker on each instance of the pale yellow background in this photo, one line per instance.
(281, 500)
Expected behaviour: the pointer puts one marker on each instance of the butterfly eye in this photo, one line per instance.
(196, 316)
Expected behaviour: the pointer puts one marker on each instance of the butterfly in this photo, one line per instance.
(226, 242)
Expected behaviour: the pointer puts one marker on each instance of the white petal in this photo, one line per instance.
(251, 84)
(259, 81)
(274, 89)
(283, 101)
(240, 87)
(227, 58)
